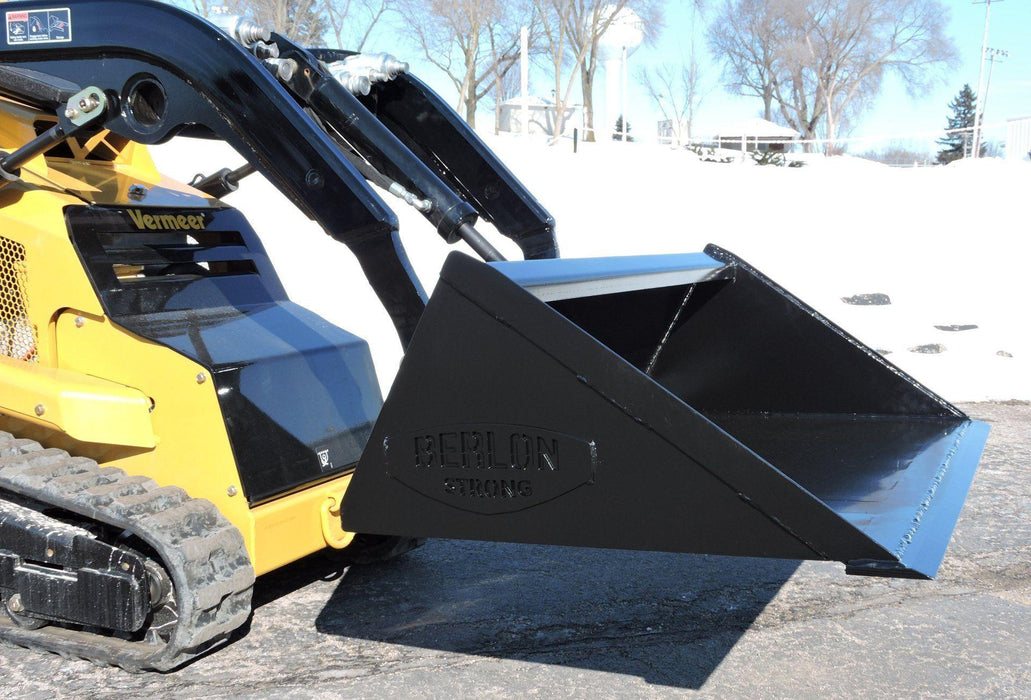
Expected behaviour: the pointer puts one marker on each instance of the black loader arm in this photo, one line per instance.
(442, 140)
(167, 72)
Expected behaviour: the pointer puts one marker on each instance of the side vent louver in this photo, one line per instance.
(142, 257)
(146, 261)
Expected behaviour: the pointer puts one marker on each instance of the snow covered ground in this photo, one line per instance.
(950, 246)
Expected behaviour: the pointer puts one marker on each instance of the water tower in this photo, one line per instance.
(624, 35)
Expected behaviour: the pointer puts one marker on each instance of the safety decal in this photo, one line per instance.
(39, 26)
(324, 462)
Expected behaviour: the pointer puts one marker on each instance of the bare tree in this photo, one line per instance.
(853, 44)
(562, 22)
(554, 14)
(343, 23)
(587, 22)
(506, 86)
(746, 36)
(203, 7)
(823, 61)
(795, 88)
(674, 87)
(475, 42)
(303, 21)
(351, 21)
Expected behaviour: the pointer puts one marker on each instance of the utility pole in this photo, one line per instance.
(622, 97)
(980, 78)
(992, 55)
(524, 77)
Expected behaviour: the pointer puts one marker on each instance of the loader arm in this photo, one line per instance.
(442, 140)
(174, 73)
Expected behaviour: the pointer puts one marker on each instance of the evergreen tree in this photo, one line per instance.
(957, 144)
(618, 133)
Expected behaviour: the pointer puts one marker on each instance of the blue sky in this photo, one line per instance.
(894, 112)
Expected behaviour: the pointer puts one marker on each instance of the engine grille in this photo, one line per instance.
(18, 336)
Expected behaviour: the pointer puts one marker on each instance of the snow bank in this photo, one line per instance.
(947, 245)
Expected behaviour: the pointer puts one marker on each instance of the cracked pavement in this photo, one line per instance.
(474, 619)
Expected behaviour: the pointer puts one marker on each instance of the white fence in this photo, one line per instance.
(1017, 140)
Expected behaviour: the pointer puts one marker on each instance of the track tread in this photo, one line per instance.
(203, 552)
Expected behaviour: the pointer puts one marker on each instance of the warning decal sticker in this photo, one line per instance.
(39, 26)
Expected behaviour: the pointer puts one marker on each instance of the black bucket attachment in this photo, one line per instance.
(673, 403)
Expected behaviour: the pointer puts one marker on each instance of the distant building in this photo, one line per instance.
(756, 135)
(542, 116)
(1018, 138)
(673, 131)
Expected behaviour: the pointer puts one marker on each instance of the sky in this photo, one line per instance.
(894, 114)
(895, 118)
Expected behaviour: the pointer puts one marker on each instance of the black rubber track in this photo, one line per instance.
(203, 553)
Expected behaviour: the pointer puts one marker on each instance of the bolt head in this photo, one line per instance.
(314, 179)
(14, 603)
(88, 103)
(80, 321)
(285, 71)
(71, 113)
(50, 552)
(40, 409)
(232, 491)
(201, 378)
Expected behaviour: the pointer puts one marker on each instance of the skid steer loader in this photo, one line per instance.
(174, 425)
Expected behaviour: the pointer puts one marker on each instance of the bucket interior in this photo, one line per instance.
(816, 404)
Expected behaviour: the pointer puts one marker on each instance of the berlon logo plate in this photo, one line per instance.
(490, 468)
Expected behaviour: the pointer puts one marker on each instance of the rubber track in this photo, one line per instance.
(201, 550)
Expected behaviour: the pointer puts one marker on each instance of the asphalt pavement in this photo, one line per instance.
(473, 619)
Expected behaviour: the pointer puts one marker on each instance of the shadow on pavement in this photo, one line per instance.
(667, 618)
